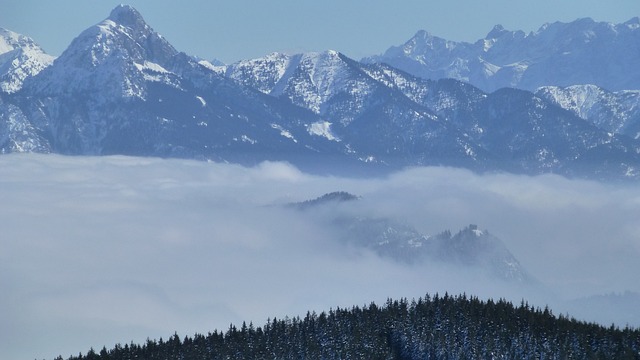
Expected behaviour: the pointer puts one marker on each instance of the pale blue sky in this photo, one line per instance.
(240, 29)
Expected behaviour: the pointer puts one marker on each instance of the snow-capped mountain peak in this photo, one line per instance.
(10, 40)
(262, 73)
(496, 32)
(324, 69)
(580, 52)
(126, 30)
(308, 79)
(122, 88)
(109, 53)
(126, 15)
(633, 23)
(20, 58)
(617, 112)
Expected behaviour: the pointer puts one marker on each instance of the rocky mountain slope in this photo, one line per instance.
(617, 112)
(121, 88)
(20, 58)
(470, 248)
(390, 116)
(559, 54)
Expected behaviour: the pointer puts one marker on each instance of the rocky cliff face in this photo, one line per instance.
(560, 54)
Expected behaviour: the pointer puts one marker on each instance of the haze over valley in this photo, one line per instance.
(125, 248)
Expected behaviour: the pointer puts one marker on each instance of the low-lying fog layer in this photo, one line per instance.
(102, 250)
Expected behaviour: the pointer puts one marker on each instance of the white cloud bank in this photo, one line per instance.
(102, 250)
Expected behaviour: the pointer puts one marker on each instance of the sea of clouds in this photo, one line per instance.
(102, 250)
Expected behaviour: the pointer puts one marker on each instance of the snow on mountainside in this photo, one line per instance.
(309, 80)
(17, 134)
(262, 74)
(559, 54)
(20, 58)
(121, 88)
(111, 55)
(389, 115)
(378, 122)
(617, 112)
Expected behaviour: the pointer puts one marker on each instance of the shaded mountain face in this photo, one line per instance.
(559, 54)
(17, 133)
(121, 88)
(388, 116)
(470, 248)
(617, 112)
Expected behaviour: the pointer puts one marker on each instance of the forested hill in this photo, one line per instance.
(438, 327)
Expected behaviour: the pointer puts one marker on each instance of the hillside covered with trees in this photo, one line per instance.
(433, 327)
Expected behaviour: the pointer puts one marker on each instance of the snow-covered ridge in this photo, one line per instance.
(10, 41)
(313, 77)
(262, 74)
(617, 112)
(555, 54)
(120, 52)
(20, 58)
(122, 88)
(322, 128)
(218, 69)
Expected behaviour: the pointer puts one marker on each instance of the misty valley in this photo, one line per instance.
(147, 247)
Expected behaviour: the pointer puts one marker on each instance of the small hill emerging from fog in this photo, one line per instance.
(333, 197)
(470, 248)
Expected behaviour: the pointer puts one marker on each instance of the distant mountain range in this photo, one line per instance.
(121, 88)
(559, 54)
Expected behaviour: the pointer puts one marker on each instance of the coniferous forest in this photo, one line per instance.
(433, 327)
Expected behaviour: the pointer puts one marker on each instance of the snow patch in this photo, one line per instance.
(284, 132)
(218, 69)
(249, 140)
(151, 66)
(488, 68)
(322, 128)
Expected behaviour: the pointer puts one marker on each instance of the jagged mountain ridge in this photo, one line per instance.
(20, 58)
(617, 112)
(121, 88)
(436, 122)
(560, 54)
(470, 248)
